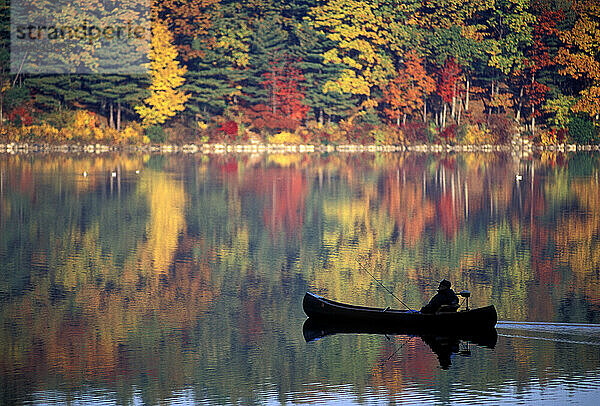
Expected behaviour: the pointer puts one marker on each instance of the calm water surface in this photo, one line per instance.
(179, 279)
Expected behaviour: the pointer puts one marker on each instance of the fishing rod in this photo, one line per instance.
(382, 285)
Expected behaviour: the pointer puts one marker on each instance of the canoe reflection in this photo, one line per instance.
(442, 344)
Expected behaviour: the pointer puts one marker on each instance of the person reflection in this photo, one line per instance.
(443, 347)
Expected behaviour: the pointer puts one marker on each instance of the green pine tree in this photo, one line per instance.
(117, 95)
(268, 49)
(57, 92)
(213, 80)
(324, 105)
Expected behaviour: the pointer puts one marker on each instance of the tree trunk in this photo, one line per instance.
(467, 95)
(119, 116)
(491, 100)
(532, 120)
(453, 114)
(460, 104)
(398, 120)
(532, 106)
(520, 105)
(404, 120)
(444, 116)
(425, 110)
(111, 121)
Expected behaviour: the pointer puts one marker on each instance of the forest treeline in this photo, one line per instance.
(376, 71)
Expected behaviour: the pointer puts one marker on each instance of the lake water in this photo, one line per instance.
(138, 279)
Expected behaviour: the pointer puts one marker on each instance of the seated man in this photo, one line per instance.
(445, 296)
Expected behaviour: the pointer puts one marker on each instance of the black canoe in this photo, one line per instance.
(319, 308)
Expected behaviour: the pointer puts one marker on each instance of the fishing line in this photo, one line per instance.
(382, 285)
(395, 352)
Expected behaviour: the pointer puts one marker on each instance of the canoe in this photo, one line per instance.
(320, 308)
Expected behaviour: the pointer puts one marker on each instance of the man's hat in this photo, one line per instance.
(444, 284)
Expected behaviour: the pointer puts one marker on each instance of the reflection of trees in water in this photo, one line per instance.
(180, 279)
(90, 299)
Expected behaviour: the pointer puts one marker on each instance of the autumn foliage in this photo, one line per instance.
(405, 95)
(340, 67)
(165, 98)
(283, 82)
(286, 108)
(448, 80)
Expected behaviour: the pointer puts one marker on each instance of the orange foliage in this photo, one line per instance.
(405, 94)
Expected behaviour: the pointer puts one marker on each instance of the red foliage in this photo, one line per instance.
(229, 127)
(449, 133)
(449, 163)
(251, 323)
(286, 211)
(287, 97)
(360, 134)
(405, 94)
(262, 116)
(415, 130)
(560, 134)
(448, 81)
(285, 108)
(535, 93)
(502, 127)
(539, 56)
(20, 116)
(545, 29)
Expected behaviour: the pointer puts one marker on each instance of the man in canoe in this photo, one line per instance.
(444, 297)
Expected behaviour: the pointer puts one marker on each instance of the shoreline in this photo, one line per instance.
(259, 148)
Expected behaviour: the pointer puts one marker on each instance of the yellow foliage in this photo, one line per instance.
(85, 128)
(359, 33)
(502, 100)
(475, 135)
(548, 138)
(164, 101)
(132, 134)
(285, 137)
(84, 119)
(589, 101)
(579, 57)
(336, 135)
(387, 137)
